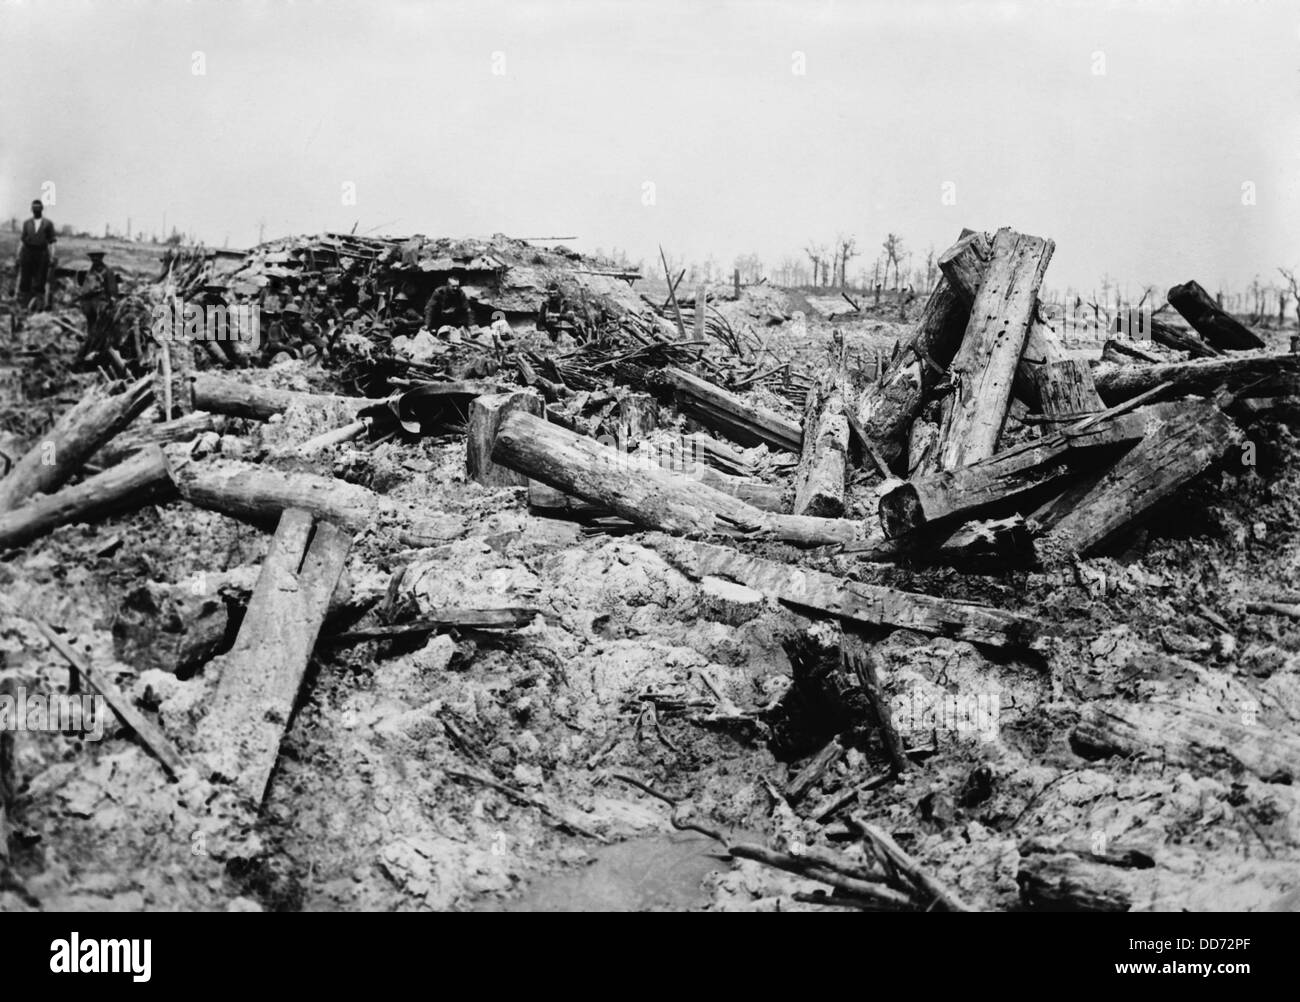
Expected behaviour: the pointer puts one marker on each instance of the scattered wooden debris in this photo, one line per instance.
(259, 679)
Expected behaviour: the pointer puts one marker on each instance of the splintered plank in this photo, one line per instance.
(261, 676)
(985, 365)
(1176, 448)
(853, 600)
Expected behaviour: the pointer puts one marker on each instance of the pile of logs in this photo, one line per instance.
(982, 439)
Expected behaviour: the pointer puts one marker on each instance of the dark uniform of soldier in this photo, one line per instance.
(447, 307)
(97, 296)
(34, 254)
(555, 316)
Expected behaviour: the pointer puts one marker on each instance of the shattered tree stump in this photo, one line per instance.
(1217, 327)
(986, 362)
(76, 436)
(485, 416)
(261, 676)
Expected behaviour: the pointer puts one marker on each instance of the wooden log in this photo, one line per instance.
(1212, 323)
(724, 412)
(1066, 388)
(139, 480)
(717, 455)
(1175, 449)
(852, 600)
(485, 414)
(258, 495)
(1172, 336)
(260, 678)
(882, 413)
(237, 398)
(639, 490)
(986, 362)
(1007, 476)
(182, 429)
(819, 479)
(1122, 352)
(1117, 383)
(75, 437)
(1184, 738)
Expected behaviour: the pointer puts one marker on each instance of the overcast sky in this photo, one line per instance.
(1133, 134)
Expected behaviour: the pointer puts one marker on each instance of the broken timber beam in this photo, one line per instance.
(882, 413)
(639, 490)
(979, 488)
(848, 599)
(1066, 388)
(76, 436)
(744, 423)
(1172, 336)
(986, 362)
(819, 480)
(261, 676)
(1212, 323)
(1177, 447)
(1201, 376)
(138, 480)
(965, 273)
(485, 415)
